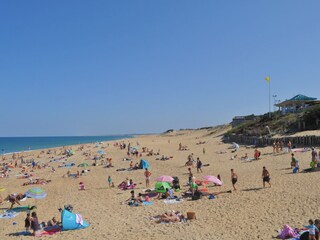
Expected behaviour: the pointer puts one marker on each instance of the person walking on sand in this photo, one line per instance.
(147, 174)
(110, 181)
(265, 177)
(234, 179)
(199, 165)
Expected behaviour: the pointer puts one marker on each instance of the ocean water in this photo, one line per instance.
(19, 144)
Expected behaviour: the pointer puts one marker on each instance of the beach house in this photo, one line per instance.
(297, 103)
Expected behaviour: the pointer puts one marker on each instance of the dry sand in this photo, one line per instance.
(249, 213)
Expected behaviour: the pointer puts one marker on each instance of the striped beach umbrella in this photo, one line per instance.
(37, 193)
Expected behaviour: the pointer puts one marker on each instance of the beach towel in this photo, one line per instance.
(21, 209)
(147, 203)
(301, 150)
(172, 201)
(9, 214)
(50, 230)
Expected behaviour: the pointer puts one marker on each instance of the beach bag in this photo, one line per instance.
(211, 196)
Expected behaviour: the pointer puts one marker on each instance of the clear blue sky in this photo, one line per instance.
(104, 67)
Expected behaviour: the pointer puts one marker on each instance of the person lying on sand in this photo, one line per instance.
(170, 216)
(36, 181)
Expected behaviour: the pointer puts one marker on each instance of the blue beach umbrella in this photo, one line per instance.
(36, 193)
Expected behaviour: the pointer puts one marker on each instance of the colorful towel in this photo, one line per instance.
(172, 201)
(21, 209)
(9, 215)
(147, 203)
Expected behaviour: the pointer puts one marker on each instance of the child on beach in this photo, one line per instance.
(147, 174)
(199, 165)
(110, 181)
(27, 222)
(293, 160)
(81, 186)
(312, 230)
(234, 179)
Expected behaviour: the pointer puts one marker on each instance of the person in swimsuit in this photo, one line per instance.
(234, 179)
(27, 222)
(147, 174)
(266, 176)
(35, 226)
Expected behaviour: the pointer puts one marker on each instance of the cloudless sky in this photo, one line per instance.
(81, 67)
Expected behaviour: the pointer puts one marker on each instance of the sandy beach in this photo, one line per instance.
(251, 212)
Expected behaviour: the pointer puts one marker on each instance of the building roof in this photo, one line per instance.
(301, 97)
(297, 99)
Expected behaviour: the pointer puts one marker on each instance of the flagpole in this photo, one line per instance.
(269, 98)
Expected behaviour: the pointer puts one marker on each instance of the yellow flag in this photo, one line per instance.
(267, 79)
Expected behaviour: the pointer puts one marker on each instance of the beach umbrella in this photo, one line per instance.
(160, 187)
(213, 179)
(36, 193)
(101, 152)
(164, 178)
(83, 165)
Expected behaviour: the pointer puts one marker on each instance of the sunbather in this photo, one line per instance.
(171, 216)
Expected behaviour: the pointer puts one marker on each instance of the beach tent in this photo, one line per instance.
(72, 221)
(161, 187)
(144, 164)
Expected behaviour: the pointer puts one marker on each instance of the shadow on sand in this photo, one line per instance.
(252, 189)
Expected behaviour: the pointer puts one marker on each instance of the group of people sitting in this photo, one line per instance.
(136, 200)
(32, 223)
(127, 184)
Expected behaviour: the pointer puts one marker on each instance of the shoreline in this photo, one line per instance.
(69, 145)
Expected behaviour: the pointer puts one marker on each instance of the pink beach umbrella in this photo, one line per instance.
(213, 179)
(164, 178)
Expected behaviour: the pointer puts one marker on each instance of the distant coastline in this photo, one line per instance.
(10, 145)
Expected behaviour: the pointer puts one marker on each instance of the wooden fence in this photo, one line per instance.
(304, 141)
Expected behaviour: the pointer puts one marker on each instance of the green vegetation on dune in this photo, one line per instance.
(308, 119)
